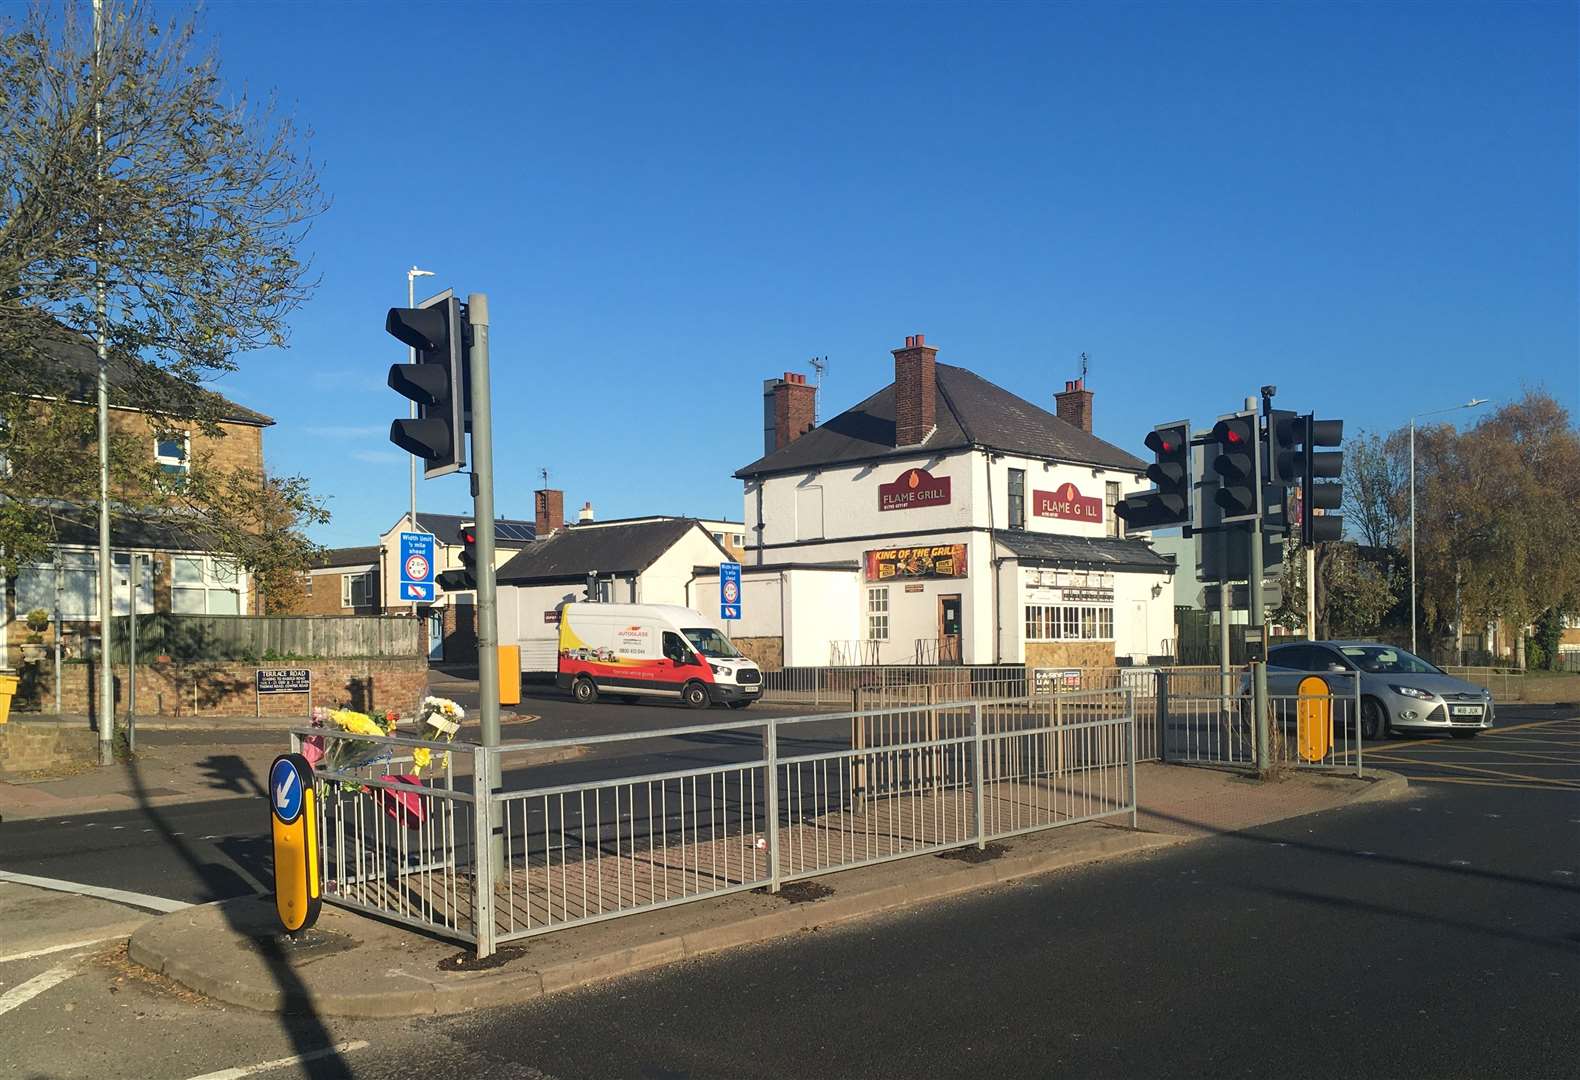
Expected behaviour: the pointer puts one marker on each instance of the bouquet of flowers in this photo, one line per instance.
(438, 720)
(344, 755)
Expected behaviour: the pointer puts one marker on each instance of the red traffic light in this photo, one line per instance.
(468, 536)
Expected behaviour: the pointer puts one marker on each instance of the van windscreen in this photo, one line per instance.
(710, 643)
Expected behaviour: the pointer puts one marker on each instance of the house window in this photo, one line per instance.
(307, 589)
(718, 538)
(356, 590)
(1069, 622)
(1115, 526)
(205, 585)
(878, 613)
(170, 453)
(79, 586)
(1017, 498)
(740, 539)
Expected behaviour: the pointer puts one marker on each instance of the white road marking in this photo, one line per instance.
(295, 1059)
(26, 992)
(98, 892)
(59, 948)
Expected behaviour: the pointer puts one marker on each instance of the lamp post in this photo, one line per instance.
(1471, 404)
(411, 358)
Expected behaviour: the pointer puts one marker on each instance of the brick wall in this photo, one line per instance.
(326, 591)
(795, 406)
(1074, 405)
(460, 633)
(769, 652)
(227, 689)
(240, 446)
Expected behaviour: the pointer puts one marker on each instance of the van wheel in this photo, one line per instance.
(585, 691)
(695, 695)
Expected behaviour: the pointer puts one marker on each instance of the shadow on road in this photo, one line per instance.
(303, 1027)
(229, 772)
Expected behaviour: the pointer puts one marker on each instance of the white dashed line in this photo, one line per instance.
(59, 948)
(119, 896)
(278, 1063)
(26, 992)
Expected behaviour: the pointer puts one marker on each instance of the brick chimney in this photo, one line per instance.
(548, 510)
(1075, 404)
(915, 391)
(789, 407)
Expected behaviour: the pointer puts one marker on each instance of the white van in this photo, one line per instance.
(651, 650)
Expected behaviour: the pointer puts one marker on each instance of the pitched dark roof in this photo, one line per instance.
(347, 556)
(1085, 553)
(571, 553)
(971, 412)
(508, 532)
(73, 374)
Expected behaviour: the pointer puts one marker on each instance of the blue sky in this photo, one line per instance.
(1371, 206)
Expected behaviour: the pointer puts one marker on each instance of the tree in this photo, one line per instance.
(134, 173)
(1354, 591)
(1498, 513)
(1376, 490)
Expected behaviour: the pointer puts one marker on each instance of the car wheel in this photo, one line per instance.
(1465, 734)
(1374, 719)
(585, 691)
(695, 695)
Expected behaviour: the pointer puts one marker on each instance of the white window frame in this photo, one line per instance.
(877, 613)
(348, 588)
(1068, 622)
(1112, 494)
(1015, 501)
(175, 466)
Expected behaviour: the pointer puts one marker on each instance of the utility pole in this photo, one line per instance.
(483, 521)
(106, 713)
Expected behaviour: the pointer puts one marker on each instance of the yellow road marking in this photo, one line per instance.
(1514, 786)
(1493, 772)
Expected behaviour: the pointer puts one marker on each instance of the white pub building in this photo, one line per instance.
(943, 520)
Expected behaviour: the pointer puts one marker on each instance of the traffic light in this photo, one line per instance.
(1284, 429)
(436, 330)
(1169, 504)
(1236, 436)
(465, 578)
(1308, 465)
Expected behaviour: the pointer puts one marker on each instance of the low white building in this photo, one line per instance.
(971, 525)
(651, 561)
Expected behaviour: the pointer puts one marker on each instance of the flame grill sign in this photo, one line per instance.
(915, 487)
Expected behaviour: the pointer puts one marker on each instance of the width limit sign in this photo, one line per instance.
(416, 567)
(729, 590)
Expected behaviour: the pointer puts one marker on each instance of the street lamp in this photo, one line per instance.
(1471, 404)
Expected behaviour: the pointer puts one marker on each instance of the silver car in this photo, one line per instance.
(1399, 691)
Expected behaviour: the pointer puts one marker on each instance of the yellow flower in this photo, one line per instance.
(355, 722)
(421, 758)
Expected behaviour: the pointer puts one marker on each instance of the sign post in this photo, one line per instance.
(729, 590)
(416, 567)
(293, 820)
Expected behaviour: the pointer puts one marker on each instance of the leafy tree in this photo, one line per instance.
(1498, 516)
(1376, 490)
(1354, 592)
(187, 213)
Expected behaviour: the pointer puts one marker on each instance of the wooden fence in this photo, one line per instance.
(267, 637)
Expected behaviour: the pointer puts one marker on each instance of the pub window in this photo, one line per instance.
(1115, 526)
(1069, 622)
(1017, 498)
(878, 613)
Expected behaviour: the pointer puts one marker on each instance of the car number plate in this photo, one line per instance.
(1466, 710)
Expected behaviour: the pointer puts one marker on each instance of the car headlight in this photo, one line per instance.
(1410, 691)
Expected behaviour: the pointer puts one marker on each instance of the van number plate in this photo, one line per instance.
(1466, 710)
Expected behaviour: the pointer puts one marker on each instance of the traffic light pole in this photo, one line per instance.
(1258, 615)
(483, 514)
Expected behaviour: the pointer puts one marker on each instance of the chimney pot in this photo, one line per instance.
(548, 511)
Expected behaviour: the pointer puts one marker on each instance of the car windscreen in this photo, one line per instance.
(710, 643)
(1386, 660)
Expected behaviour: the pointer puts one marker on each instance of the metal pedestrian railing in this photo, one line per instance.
(775, 800)
(1320, 731)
